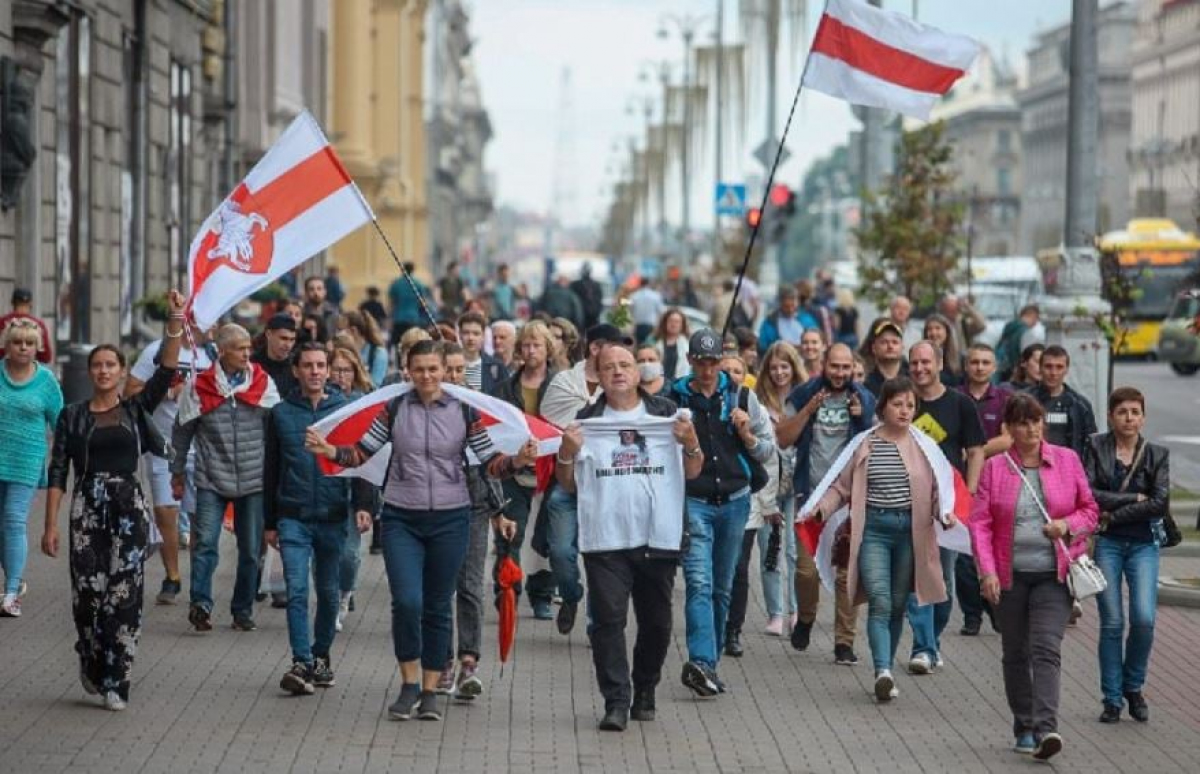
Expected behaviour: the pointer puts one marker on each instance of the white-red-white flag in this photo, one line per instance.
(507, 426)
(884, 59)
(295, 202)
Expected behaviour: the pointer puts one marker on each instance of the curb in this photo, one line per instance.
(1188, 549)
(1176, 594)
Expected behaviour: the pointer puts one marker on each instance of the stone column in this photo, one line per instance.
(353, 83)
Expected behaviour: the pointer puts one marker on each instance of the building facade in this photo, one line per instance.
(112, 135)
(1164, 156)
(377, 124)
(983, 124)
(459, 130)
(1044, 132)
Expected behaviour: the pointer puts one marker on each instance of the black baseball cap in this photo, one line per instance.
(705, 344)
(281, 321)
(22, 296)
(608, 333)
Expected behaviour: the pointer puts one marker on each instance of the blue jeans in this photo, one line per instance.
(316, 545)
(885, 570)
(422, 552)
(206, 531)
(562, 534)
(351, 558)
(708, 569)
(1122, 673)
(929, 621)
(15, 500)
(775, 582)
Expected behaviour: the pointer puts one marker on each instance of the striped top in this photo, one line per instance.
(474, 375)
(887, 478)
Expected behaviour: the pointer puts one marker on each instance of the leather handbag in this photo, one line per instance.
(1084, 578)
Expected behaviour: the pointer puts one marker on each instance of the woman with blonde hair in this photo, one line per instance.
(566, 343)
(346, 370)
(371, 348)
(940, 331)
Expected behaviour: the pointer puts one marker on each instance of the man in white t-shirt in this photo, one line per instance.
(633, 553)
(170, 514)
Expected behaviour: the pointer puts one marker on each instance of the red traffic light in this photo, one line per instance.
(780, 194)
(753, 216)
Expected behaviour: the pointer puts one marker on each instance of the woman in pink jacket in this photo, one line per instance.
(1029, 499)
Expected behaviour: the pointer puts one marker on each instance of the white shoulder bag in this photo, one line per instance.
(1084, 578)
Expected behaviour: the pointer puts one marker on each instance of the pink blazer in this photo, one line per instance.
(1066, 495)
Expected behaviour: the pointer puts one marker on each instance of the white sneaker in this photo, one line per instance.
(885, 686)
(113, 702)
(337, 623)
(920, 664)
(940, 662)
(775, 626)
(10, 606)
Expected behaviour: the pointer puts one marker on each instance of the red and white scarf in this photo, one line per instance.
(211, 388)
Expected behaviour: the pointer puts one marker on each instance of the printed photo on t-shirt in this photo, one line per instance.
(631, 452)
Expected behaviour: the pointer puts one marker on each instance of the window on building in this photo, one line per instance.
(1004, 141)
(1004, 181)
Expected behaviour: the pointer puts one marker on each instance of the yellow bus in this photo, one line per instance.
(1157, 258)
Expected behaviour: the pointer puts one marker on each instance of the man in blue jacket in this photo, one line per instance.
(787, 323)
(830, 410)
(306, 514)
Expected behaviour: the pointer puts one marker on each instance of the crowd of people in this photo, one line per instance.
(681, 449)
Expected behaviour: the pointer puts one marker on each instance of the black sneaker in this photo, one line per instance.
(405, 706)
(298, 680)
(429, 707)
(1138, 709)
(844, 655)
(1111, 713)
(243, 623)
(199, 618)
(322, 672)
(715, 679)
(801, 635)
(278, 600)
(1048, 746)
(643, 705)
(733, 644)
(350, 602)
(615, 719)
(566, 617)
(170, 590)
(970, 627)
(695, 678)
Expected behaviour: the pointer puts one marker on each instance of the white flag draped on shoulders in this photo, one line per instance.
(630, 483)
(953, 497)
(507, 426)
(884, 59)
(296, 201)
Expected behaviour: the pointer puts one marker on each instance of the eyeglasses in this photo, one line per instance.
(346, 370)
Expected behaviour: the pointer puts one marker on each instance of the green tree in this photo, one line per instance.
(911, 238)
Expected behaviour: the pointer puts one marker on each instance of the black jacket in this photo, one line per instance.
(656, 407)
(509, 389)
(75, 425)
(492, 373)
(1121, 511)
(1083, 419)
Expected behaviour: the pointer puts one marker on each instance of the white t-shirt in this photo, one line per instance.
(629, 476)
(144, 368)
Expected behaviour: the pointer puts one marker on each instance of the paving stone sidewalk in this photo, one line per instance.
(205, 703)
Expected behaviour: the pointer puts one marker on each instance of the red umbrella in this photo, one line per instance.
(508, 576)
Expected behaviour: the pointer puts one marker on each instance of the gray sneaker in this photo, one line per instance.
(322, 672)
(469, 687)
(297, 680)
(405, 706)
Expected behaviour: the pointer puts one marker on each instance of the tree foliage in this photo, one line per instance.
(911, 238)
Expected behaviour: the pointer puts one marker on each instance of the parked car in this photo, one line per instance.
(1179, 338)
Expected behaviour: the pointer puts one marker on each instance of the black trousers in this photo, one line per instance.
(613, 578)
(741, 584)
(967, 589)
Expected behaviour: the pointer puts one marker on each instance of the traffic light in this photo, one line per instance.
(780, 195)
(753, 217)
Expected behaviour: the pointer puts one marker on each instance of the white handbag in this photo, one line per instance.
(1084, 578)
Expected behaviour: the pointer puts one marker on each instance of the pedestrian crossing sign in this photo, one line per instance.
(731, 199)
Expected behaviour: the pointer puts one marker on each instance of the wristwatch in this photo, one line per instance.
(692, 452)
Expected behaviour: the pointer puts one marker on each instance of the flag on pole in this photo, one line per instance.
(884, 59)
(295, 202)
(507, 426)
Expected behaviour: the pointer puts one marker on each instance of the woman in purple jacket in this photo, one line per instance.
(1029, 518)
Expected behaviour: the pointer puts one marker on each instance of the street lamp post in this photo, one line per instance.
(686, 26)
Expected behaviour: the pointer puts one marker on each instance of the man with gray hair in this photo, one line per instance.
(504, 342)
(224, 411)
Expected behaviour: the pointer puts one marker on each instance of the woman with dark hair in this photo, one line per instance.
(312, 328)
(891, 490)
(940, 331)
(426, 516)
(103, 438)
(1028, 372)
(671, 339)
(1131, 481)
(1030, 518)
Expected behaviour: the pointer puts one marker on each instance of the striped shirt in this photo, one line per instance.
(887, 478)
(474, 375)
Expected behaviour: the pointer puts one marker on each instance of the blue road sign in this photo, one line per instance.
(731, 199)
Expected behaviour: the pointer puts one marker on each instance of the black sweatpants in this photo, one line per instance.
(613, 578)
(740, 596)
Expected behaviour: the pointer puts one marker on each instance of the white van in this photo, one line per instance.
(1001, 285)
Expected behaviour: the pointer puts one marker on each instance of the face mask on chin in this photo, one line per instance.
(650, 371)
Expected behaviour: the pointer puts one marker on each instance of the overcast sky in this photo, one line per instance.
(523, 47)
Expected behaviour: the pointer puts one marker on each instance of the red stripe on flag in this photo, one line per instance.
(859, 50)
(962, 498)
(809, 534)
(349, 432)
